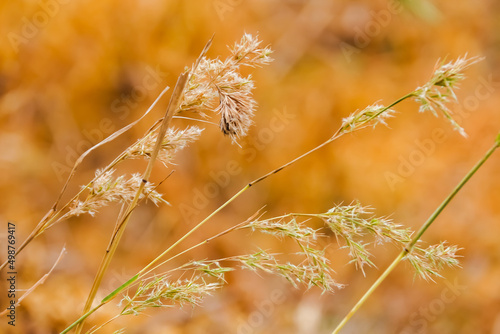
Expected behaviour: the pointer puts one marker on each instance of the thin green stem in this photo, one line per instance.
(369, 292)
(417, 237)
(83, 317)
(398, 101)
(451, 195)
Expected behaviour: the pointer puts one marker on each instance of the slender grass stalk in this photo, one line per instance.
(417, 237)
(82, 318)
(124, 219)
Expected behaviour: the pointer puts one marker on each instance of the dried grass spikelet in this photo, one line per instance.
(161, 291)
(107, 189)
(282, 228)
(218, 86)
(236, 109)
(434, 95)
(427, 262)
(370, 116)
(314, 271)
(247, 52)
(174, 141)
(353, 222)
(209, 268)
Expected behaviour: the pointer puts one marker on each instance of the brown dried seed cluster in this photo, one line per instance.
(218, 86)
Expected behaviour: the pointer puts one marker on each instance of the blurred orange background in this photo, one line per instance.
(72, 72)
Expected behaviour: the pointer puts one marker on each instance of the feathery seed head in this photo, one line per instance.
(161, 292)
(352, 222)
(370, 116)
(309, 273)
(247, 52)
(286, 228)
(236, 109)
(174, 141)
(107, 189)
(434, 95)
(427, 262)
(218, 86)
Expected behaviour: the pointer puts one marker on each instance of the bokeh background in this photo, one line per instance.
(74, 71)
